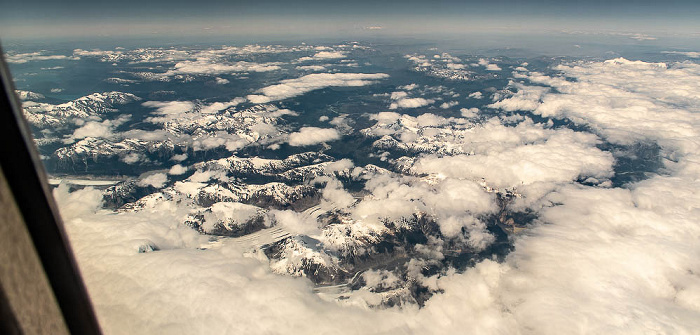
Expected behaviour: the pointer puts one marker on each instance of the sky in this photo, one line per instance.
(41, 18)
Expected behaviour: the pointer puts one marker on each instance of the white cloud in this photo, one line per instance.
(341, 122)
(94, 129)
(449, 104)
(645, 97)
(179, 157)
(258, 99)
(410, 103)
(131, 158)
(469, 112)
(293, 87)
(597, 259)
(170, 107)
(335, 196)
(489, 66)
(313, 135)
(690, 54)
(104, 129)
(218, 106)
(634, 36)
(324, 55)
(398, 95)
(386, 117)
(156, 180)
(177, 170)
(314, 68)
(20, 58)
(453, 202)
(476, 95)
(221, 81)
(642, 37)
(562, 158)
(455, 66)
(211, 67)
(296, 223)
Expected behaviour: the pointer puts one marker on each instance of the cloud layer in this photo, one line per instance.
(294, 87)
(313, 135)
(597, 258)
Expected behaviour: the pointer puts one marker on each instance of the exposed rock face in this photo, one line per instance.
(44, 115)
(28, 95)
(301, 256)
(295, 168)
(444, 70)
(229, 219)
(118, 195)
(96, 150)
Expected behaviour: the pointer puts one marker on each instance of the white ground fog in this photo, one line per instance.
(598, 260)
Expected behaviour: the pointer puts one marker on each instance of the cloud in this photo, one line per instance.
(402, 100)
(312, 135)
(210, 67)
(411, 103)
(314, 68)
(649, 223)
(324, 55)
(563, 157)
(21, 58)
(94, 129)
(558, 267)
(597, 259)
(409, 87)
(179, 157)
(294, 87)
(469, 112)
(218, 106)
(207, 65)
(489, 67)
(634, 36)
(296, 223)
(131, 158)
(455, 66)
(639, 284)
(156, 180)
(653, 101)
(689, 54)
(170, 107)
(398, 95)
(642, 37)
(449, 104)
(335, 196)
(177, 170)
(452, 202)
(104, 129)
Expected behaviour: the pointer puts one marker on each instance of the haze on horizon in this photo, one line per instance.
(47, 19)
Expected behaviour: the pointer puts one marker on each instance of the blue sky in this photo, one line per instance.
(44, 18)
